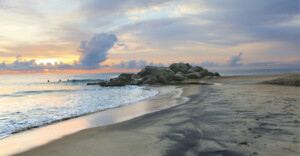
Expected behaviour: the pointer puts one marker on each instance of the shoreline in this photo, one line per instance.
(240, 117)
(71, 117)
(12, 143)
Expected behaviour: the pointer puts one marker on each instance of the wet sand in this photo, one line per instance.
(240, 117)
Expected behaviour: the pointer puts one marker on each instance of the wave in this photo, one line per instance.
(24, 93)
(68, 106)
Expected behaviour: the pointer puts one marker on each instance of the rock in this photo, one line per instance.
(195, 69)
(97, 83)
(116, 82)
(216, 74)
(127, 75)
(210, 74)
(208, 77)
(180, 67)
(151, 75)
(179, 76)
(194, 75)
(122, 80)
(163, 74)
(149, 79)
(135, 82)
(204, 72)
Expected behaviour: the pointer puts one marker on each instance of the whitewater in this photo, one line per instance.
(29, 101)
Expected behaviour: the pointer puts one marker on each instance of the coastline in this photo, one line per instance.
(240, 117)
(19, 142)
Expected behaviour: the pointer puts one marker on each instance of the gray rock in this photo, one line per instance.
(151, 75)
(204, 72)
(194, 75)
(149, 79)
(122, 80)
(116, 82)
(163, 74)
(208, 77)
(210, 74)
(127, 75)
(216, 74)
(195, 69)
(179, 76)
(180, 67)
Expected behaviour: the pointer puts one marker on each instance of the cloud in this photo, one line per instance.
(23, 65)
(5, 54)
(94, 50)
(92, 53)
(209, 64)
(234, 60)
(134, 64)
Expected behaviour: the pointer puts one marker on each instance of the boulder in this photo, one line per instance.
(194, 75)
(149, 79)
(163, 74)
(216, 74)
(180, 67)
(203, 72)
(116, 82)
(122, 80)
(128, 76)
(179, 76)
(210, 74)
(208, 77)
(195, 69)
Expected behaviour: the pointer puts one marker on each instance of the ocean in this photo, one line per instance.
(29, 101)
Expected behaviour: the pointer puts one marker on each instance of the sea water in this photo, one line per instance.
(28, 101)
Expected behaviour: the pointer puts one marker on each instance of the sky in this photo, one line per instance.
(118, 35)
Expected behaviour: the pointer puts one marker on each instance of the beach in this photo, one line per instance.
(239, 115)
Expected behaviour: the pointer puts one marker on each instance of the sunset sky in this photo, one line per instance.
(120, 35)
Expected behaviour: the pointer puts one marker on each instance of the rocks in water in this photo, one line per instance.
(149, 79)
(122, 80)
(195, 69)
(194, 75)
(163, 74)
(180, 67)
(179, 76)
(216, 74)
(151, 75)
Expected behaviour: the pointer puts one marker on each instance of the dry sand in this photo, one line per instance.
(239, 117)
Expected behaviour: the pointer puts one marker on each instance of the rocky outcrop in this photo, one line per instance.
(180, 67)
(179, 76)
(163, 74)
(151, 75)
(194, 75)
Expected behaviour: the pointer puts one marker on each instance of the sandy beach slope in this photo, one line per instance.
(240, 117)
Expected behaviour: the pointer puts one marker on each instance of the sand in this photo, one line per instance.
(241, 116)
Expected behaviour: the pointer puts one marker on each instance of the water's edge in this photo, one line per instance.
(168, 96)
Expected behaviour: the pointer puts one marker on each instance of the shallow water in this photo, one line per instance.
(28, 101)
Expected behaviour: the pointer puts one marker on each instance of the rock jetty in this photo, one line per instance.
(151, 75)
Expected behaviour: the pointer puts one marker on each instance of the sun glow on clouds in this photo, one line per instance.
(167, 31)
